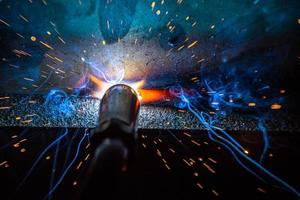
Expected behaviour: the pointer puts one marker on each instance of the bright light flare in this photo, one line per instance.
(146, 96)
(153, 95)
(102, 86)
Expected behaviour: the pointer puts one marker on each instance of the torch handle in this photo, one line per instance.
(105, 171)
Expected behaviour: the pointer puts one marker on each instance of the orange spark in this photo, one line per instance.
(275, 106)
(153, 95)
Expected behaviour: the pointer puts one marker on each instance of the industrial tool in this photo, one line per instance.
(112, 143)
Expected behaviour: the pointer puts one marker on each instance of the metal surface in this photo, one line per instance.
(28, 111)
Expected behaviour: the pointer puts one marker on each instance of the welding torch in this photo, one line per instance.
(112, 142)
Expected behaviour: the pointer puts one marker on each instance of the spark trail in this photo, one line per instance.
(41, 155)
(232, 145)
(68, 167)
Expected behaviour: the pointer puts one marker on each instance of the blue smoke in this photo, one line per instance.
(221, 137)
(59, 105)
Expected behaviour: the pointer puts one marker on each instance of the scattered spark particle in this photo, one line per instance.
(215, 193)
(187, 18)
(299, 21)
(21, 36)
(196, 174)
(79, 165)
(28, 79)
(2, 98)
(172, 150)
(153, 5)
(179, 1)
(5, 23)
(3, 163)
(87, 157)
(172, 29)
(167, 166)
(251, 104)
(48, 32)
(261, 190)
(17, 145)
(199, 185)
(30, 115)
(201, 60)
(275, 106)
(4, 59)
(107, 22)
(33, 38)
(158, 12)
(246, 152)
(180, 48)
(209, 168)
(46, 45)
(24, 18)
(48, 158)
(20, 53)
(23, 140)
(18, 118)
(23, 150)
(192, 161)
(61, 40)
(271, 155)
(191, 45)
(212, 160)
(189, 135)
(74, 183)
(196, 143)
(186, 162)
(45, 2)
(282, 91)
(61, 71)
(158, 153)
(4, 108)
(212, 26)
(103, 42)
